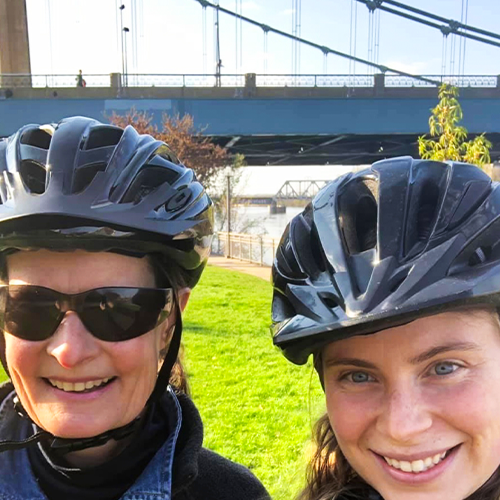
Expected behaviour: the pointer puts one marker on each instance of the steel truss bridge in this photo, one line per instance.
(304, 190)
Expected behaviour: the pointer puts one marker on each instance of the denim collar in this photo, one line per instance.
(17, 481)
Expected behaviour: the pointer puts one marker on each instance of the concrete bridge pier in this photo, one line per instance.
(274, 208)
(14, 44)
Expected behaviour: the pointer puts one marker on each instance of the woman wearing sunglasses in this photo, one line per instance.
(390, 278)
(103, 233)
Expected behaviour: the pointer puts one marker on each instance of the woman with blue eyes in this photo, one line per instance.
(390, 279)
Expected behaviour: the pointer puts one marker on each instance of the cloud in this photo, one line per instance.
(288, 12)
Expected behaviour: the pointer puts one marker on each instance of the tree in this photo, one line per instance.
(450, 138)
(194, 149)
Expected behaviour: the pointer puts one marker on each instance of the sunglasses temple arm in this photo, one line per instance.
(170, 358)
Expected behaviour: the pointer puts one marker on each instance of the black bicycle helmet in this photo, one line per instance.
(83, 184)
(382, 247)
(105, 188)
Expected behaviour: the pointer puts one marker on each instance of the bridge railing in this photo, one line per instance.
(240, 80)
(246, 247)
(479, 81)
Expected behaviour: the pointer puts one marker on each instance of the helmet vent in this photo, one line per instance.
(421, 217)
(398, 280)
(171, 173)
(329, 300)
(148, 180)
(33, 176)
(282, 309)
(366, 223)
(85, 175)
(480, 256)
(100, 137)
(286, 260)
(37, 138)
(316, 251)
(358, 210)
(427, 210)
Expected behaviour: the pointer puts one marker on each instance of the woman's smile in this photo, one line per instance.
(79, 386)
(85, 392)
(427, 461)
(73, 384)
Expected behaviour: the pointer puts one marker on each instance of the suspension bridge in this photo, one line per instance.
(369, 112)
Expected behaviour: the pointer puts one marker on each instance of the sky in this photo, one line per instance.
(176, 36)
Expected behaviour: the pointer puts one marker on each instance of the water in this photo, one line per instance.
(257, 220)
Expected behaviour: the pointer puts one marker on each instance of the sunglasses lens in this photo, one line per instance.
(115, 314)
(30, 312)
(111, 314)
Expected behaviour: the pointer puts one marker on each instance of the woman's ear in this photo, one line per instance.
(183, 294)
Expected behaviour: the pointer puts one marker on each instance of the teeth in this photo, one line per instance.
(405, 466)
(78, 386)
(417, 465)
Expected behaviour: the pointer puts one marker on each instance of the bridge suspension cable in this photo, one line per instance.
(444, 55)
(373, 35)
(463, 41)
(449, 26)
(218, 60)
(204, 37)
(353, 36)
(296, 29)
(323, 48)
(265, 51)
(50, 37)
(238, 35)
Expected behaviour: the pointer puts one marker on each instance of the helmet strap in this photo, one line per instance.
(170, 359)
(17, 445)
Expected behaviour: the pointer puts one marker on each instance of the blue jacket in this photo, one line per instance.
(180, 470)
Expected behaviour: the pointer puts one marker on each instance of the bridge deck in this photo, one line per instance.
(294, 126)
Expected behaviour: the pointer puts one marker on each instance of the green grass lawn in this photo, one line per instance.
(257, 408)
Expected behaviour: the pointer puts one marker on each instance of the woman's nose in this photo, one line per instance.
(404, 416)
(72, 344)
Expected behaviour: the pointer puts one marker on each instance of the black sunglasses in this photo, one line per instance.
(112, 314)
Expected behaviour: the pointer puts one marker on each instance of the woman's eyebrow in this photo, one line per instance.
(420, 358)
(434, 351)
(360, 363)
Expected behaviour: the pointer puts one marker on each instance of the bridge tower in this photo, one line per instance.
(14, 44)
